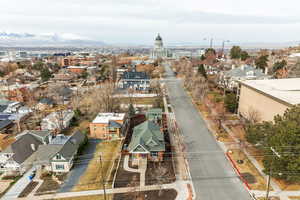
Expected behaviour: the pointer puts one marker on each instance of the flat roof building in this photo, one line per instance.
(267, 98)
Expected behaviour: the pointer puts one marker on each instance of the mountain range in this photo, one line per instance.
(43, 40)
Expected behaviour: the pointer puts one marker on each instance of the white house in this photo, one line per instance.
(229, 79)
(57, 120)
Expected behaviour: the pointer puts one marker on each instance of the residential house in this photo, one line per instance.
(16, 157)
(58, 156)
(107, 126)
(77, 69)
(7, 106)
(229, 79)
(139, 81)
(45, 103)
(147, 141)
(57, 121)
(264, 99)
(65, 93)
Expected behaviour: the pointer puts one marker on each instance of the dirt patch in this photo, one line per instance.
(148, 195)
(29, 188)
(49, 185)
(249, 178)
(161, 172)
(125, 178)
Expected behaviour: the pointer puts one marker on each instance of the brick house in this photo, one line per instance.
(107, 126)
(77, 69)
(147, 141)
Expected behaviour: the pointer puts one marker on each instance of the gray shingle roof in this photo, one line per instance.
(46, 152)
(22, 149)
(4, 124)
(70, 147)
(47, 101)
(3, 107)
(243, 71)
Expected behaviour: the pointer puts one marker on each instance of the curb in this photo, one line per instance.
(238, 171)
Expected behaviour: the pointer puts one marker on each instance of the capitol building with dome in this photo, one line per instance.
(159, 51)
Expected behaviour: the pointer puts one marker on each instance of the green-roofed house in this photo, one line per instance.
(147, 141)
(155, 115)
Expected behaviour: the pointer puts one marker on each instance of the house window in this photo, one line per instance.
(58, 157)
(59, 167)
(154, 153)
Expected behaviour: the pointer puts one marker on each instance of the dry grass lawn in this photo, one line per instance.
(248, 167)
(92, 179)
(4, 185)
(294, 198)
(288, 186)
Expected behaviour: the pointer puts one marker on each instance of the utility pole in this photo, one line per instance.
(102, 175)
(270, 172)
(211, 42)
(223, 46)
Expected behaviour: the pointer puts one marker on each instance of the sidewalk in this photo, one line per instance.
(142, 167)
(18, 187)
(178, 186)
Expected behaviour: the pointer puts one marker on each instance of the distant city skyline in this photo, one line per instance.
(139, 21)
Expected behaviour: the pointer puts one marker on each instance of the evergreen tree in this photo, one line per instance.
(45, 74)
(202, 71)
(279, 65)
(244, 55)
(262, 62)
(235, 52)
(131, 111)
(283, 135)
(231, 102)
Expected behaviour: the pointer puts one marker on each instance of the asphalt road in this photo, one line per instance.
(212, 174)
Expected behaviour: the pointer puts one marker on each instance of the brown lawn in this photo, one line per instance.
(248, 168)
(92, 179)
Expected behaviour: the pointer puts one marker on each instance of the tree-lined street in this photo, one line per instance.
(212, 175)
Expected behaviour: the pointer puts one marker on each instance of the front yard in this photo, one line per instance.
(92, 178)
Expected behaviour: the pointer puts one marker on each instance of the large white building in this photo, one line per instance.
(159, 51)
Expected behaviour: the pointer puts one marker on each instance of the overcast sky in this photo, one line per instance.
(138, 21)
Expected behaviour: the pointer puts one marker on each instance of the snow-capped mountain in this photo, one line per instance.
(49, 39)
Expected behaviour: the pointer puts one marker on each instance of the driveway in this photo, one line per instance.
(212, 175)
(19, 186)
(80, 166)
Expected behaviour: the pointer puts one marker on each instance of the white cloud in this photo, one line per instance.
(139, 20)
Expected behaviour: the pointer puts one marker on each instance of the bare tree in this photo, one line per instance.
(200, 88)
(254, 115)
(100, 99)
